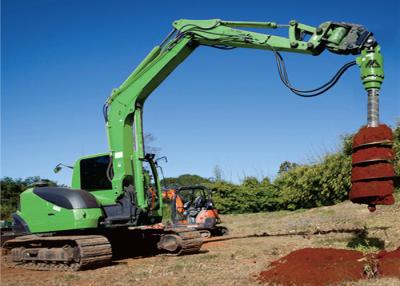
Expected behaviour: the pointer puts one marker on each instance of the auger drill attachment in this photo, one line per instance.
(372, 173)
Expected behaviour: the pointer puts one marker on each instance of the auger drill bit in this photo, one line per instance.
(372, 173)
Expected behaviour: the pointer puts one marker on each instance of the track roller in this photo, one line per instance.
(181, 241)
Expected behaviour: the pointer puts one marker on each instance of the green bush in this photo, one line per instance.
(324, 183)
(250, 196)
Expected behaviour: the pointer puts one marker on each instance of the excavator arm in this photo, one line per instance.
(123, 109)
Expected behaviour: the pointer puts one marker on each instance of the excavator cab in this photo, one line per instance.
(193, 206)
(95, 173)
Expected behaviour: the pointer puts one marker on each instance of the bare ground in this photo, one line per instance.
(254, 241)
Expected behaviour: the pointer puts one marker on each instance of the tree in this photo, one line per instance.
(287, 166)
(266, 182)
(218, 173)
(185, 180)
(10, 191)
(251, 182)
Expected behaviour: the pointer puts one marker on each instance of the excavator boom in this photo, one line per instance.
(123, 109)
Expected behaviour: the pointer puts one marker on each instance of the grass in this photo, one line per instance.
(362, 242)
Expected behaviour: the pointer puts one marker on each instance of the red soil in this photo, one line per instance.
(389, 263)
(372, 134)
(372, 171)
(368, 190)
(372, 174)
(325, 266)
(372, 153)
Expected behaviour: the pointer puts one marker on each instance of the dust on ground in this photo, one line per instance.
(255, 240)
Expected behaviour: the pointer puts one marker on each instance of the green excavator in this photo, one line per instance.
(118, 193)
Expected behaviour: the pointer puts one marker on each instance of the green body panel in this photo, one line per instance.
(105, 197)
(43, 216)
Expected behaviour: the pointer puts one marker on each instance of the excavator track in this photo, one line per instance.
(61, 253)
(179, 241)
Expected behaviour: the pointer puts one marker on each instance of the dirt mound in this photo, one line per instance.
(324, 266)
(389, 263)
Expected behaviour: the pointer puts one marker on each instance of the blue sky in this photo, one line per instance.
(60, 60)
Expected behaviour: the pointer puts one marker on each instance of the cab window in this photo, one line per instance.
(94, 173)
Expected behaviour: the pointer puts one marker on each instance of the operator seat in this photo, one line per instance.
(199, 202)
